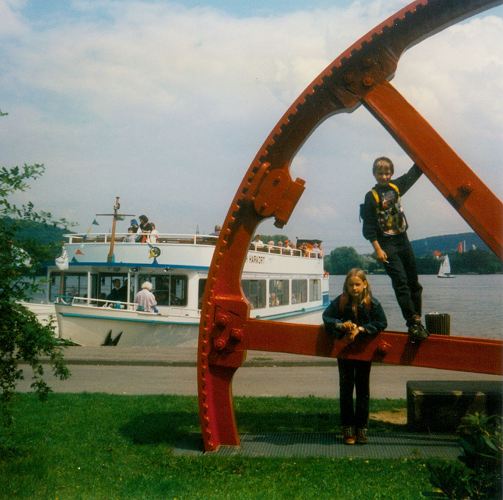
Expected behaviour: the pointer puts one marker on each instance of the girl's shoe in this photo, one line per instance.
(348, 435)
(361, 436)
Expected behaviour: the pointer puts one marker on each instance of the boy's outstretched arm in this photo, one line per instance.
(407, 180)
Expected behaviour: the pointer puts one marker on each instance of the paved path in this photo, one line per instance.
(135, 370)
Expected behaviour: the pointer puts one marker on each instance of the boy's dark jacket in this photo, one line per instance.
(371, 318)
(371, 230)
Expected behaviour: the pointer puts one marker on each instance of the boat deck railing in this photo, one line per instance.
(123, 306)
(186, 239)
(181, 239)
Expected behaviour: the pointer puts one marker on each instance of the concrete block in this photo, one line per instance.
(439, 405)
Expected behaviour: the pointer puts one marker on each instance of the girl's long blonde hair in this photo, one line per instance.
(366, 296)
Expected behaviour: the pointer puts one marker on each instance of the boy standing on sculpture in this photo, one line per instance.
(385, 226)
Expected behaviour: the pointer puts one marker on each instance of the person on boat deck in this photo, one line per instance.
(385, 226)
(257, 242)
(153, 236)
(133, 225)
(316, 251)
(145, 228)
(131, 235)
(115, 294)
(145, 299)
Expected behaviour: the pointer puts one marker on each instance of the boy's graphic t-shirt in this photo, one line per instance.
(382, 212)
(390, 215)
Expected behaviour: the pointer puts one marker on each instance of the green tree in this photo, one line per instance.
(23, 340)
(273, 237)
(342, 259)
(427, 265)
(475, 261)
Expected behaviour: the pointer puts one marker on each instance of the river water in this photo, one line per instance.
(474, 302)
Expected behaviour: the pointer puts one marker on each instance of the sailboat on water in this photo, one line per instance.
(445, 268)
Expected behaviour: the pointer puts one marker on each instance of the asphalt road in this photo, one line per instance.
(141, 371)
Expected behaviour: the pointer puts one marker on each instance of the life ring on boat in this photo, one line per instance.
(154, 252)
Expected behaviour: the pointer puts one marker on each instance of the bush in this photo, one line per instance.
(478, 474)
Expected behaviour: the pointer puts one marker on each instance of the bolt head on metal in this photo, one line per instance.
(237, 334)
(219, 343)
(368, 81)
(222, 320)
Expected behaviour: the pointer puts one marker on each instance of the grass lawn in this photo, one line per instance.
(106, 446)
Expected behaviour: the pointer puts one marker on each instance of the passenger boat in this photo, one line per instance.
(280, 284)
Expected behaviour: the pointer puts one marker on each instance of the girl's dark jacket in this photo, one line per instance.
(371, 318)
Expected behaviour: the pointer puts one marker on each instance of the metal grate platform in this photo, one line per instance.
(399, 445)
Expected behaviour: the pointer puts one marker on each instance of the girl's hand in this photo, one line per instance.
(347, 326)
(352, 334)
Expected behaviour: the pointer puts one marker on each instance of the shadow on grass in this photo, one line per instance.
(175, 427)
(160, 427)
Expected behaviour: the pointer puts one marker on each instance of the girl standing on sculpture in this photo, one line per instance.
(353, 314)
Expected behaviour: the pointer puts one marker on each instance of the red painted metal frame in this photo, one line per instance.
(358, 76)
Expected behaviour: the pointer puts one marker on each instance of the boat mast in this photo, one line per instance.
(115, 217)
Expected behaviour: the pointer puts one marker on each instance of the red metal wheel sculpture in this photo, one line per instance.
(360, 75)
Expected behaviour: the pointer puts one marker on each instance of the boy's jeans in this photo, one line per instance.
(401, 268)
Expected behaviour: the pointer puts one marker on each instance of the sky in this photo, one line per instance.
(165, 104)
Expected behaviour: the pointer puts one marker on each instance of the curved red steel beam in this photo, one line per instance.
(359, 75)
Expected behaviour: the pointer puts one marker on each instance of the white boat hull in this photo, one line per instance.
(101, 326)
(45, 312)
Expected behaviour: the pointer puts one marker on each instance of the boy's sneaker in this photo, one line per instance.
(348, 435)
(361, 436)
(417, 332)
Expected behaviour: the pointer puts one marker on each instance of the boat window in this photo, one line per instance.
(255, 292)
(314, 290)
(200, 292)
(161, 286)
(178, 295)
(278, 293)
(73, 285)
(168, 290)
(299, 291)
(106, 283)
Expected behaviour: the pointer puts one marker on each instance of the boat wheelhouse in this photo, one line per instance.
(280, 284)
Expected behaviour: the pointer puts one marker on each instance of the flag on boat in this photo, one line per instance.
(62, 261)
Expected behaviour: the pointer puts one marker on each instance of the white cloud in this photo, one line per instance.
(11, 24)
(167, 106)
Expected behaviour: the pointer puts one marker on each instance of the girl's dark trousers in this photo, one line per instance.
(354, 373)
